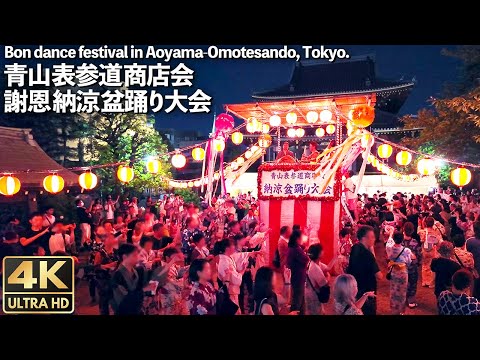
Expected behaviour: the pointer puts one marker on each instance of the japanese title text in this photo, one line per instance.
(292, 183)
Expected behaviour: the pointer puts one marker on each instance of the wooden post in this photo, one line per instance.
(32, 201)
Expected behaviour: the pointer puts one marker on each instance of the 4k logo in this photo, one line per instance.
(33, 284)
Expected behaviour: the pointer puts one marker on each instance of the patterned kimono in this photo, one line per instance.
(202, 299)
(400, 258)
(171, 294)
(416, 248)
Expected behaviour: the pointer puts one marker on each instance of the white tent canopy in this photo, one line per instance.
(371, 183)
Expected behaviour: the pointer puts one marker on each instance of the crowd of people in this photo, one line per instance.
(169, 257)
(435, 238)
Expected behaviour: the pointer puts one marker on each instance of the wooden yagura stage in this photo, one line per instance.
(288, 194)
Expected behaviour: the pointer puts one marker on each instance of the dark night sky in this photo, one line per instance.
(233, 81)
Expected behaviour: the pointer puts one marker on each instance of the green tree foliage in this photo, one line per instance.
(188, 195)
(451, 125)
(131, 138)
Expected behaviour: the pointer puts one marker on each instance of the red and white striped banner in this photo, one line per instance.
(322, 217)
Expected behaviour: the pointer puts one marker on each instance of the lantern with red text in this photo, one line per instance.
(9, 185)
(426, 167)
(53, 183)
(403, 158)
(87, 180)
(461, 177)
(384, 151)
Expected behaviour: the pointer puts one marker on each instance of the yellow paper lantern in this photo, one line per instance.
(240, 161)
(190, 184)
(330, 129)
(234, 166)
(197, 183)
(153, 166)
(320, 132)
(426, 167)
(291, 118)
(87, 180)
(251, 128)
(53, 183)
(253, 125)
(125, 174)
(264, 141)
(461, 177)
(219, 144)
(254, 149)
(275, 120)
(9, 185)
(198, 154)
(300, 132)
(312, 117)
(291, 132)
(403, 158)
(326, 116)
(237, 138)
(179, 160)
(375, 162)
(265, 128)
(362, 116)
(248, 154)
(367, 140)
(384, 151)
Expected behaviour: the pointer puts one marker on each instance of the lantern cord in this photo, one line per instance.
(108, 165)
(462, 164)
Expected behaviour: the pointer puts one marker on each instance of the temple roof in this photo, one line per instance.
(344, 77)
(22, 156)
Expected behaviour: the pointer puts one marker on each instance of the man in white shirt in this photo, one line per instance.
(110, 209)
(59, 240)
(228, 271)
(48, 217)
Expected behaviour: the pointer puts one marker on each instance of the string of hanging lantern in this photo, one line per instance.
(387, 170)
(54, 182)
(234, 165)
(460, 176)
(434, 157)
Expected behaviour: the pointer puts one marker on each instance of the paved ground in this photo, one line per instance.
(425, 297)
